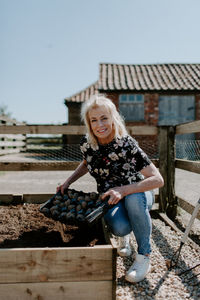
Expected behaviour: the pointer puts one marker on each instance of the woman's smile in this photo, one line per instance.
(102, 130)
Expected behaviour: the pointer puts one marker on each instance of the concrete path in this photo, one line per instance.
(29, 182)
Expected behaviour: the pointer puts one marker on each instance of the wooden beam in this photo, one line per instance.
(75, 264)
(9, 151)
(18, 137)
(6, 198)
(192, 166)
(163, 196)
(42, 129)
(44, 166)
(67, 129)
(167, 197)
(24, 198)
(12, 144)
(39, 166)
(191, 127)
(189, 208)
(171, 210)
(90, 290)
(35, 198)
(142, 130)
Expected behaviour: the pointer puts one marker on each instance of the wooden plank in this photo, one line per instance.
(40, 198)
(11, 198)
(191, 127)
(189, 208)
(56, 264)
(12, 144)
(38, 166)
(24, 198)
(6, 198)
(68, 129)
(142, 130)
(88, 290)
(18, 137)
(172, 201)
(192, 166)
(9, 151)
(44, 166)
(42, 129)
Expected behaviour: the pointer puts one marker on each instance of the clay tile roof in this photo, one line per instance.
(154, 77)
(84, 94)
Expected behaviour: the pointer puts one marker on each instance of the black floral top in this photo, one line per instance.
(115, 164)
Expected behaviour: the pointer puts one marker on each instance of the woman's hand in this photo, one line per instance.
(115, 195)
(62, 187)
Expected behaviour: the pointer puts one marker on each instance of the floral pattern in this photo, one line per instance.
(115, 164)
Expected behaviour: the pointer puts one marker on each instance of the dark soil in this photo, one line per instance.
(24, 226)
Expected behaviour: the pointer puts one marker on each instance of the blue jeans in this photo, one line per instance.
(132, 214)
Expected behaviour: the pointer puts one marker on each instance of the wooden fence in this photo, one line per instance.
(167, 161)
(11, 143)
(168, 201)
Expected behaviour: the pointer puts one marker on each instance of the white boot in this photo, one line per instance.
(139, 269)
(124, 248)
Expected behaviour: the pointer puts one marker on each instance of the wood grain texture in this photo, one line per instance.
(56, 264)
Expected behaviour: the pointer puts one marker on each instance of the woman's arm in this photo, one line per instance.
(152, 180)
(78, 172)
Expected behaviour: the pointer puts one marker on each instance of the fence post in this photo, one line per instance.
(162, 142)
(168, 201)
(172, 199)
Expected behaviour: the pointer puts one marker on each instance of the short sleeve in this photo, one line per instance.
(137, 156)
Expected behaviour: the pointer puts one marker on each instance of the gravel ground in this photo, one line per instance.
(161, 283)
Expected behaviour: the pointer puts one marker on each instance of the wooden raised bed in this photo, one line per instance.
(58, 273)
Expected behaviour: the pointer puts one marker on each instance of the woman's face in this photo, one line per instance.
(101, 124)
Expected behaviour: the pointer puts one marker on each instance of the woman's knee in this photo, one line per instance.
(117, 220)
(119, 229)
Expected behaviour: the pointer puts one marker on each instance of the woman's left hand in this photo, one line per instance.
(115, 195)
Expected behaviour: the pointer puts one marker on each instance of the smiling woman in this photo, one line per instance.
(124, 174)
(102, 120)
(101, 124)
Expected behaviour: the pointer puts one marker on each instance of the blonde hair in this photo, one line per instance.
(102, 101)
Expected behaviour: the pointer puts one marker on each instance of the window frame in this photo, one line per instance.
(136, 101)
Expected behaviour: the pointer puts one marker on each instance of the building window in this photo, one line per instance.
(131, 107)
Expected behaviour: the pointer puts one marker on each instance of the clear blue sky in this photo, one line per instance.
(51, 49)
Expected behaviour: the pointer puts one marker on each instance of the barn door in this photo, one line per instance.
(175, 110)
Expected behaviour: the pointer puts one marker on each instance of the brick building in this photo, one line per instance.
(157, 94)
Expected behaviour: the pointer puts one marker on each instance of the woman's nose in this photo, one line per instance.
(99, 122)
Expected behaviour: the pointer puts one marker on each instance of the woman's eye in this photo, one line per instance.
(93, 121)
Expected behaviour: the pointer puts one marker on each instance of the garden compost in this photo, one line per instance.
(23, 225)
